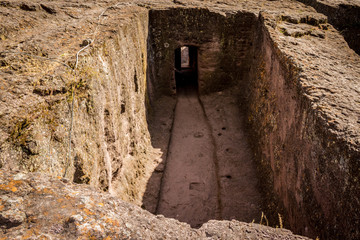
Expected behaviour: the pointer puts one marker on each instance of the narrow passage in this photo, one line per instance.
(190, 190)
(209, 172)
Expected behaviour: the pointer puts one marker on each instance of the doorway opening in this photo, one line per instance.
(186, 69)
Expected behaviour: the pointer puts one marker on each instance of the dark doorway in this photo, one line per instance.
(186, 74)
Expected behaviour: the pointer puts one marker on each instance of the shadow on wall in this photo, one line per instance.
(160, 120)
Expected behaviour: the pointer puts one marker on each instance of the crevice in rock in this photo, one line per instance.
(136, 82)
(79, 174)
(9, 223)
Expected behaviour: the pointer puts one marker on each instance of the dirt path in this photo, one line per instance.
(190, 189)
(209, 173)
(239, 195)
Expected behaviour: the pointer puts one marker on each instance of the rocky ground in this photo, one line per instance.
(36, 206)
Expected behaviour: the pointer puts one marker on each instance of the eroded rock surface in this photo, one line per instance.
(102, 103)
(344, 15)
(36, 206)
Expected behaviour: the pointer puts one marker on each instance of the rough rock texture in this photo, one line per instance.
(35, 206)
(110, 143)
(304, 112)
(298, 81)
(344, 15)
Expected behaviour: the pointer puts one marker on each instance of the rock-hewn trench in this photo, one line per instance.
(208, 167)
(212, 170)
(272, 125)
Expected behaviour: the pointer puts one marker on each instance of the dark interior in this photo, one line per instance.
(186, 75)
